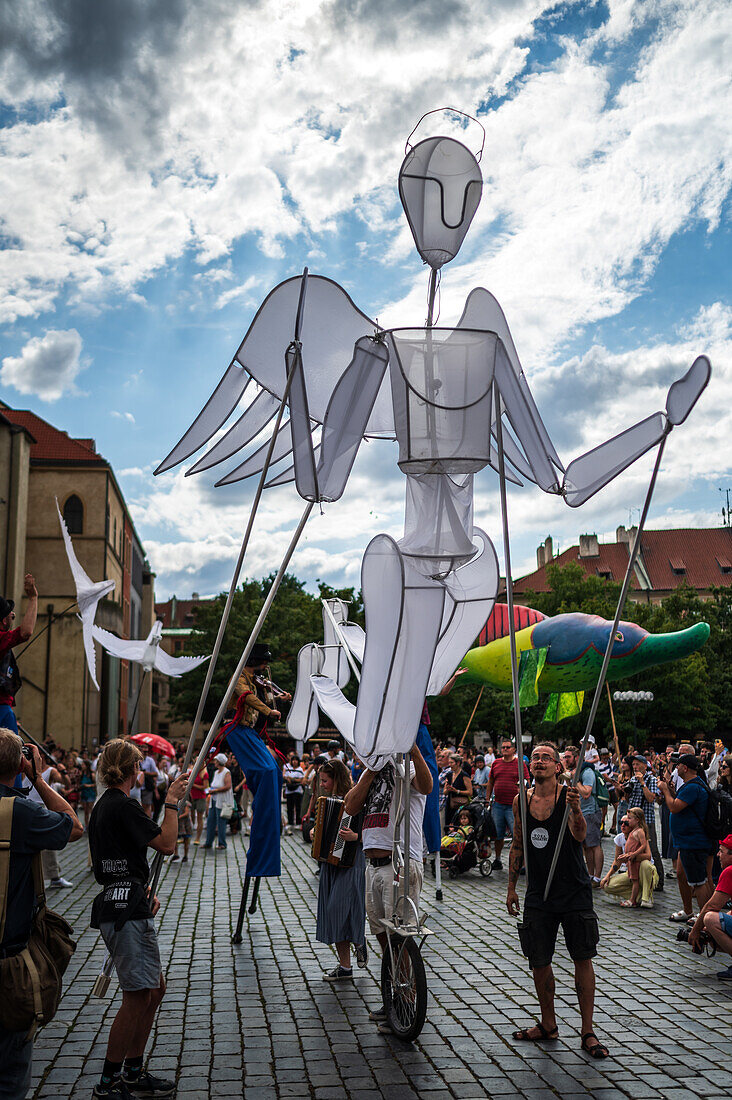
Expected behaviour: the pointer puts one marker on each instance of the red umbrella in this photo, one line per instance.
(156, 743)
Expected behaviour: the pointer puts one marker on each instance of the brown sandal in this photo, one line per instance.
(524, 1037)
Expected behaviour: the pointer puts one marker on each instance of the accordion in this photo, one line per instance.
(328, 846)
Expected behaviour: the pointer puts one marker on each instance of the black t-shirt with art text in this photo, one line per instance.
(119, 834)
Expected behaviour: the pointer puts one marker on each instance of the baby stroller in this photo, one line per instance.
(462, 851)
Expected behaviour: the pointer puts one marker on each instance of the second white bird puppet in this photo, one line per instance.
(147, 651)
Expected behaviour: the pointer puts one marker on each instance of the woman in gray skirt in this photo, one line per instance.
(341, 890)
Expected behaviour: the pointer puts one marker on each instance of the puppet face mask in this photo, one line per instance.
(440, 185)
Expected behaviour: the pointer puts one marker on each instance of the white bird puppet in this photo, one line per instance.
(147, 651)
(88, 595)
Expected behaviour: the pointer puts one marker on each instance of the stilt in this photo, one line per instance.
(237, 937)
(255, 895)
(512, 634)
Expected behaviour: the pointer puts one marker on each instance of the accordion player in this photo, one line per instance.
(328, 846)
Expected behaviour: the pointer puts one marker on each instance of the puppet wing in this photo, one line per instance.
(328, 324)
(125, 649)
(176, 666)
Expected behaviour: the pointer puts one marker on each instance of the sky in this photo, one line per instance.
(165, 163)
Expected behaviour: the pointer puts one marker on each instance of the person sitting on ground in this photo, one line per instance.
(120, 832)
(617, 882)
(715, 917)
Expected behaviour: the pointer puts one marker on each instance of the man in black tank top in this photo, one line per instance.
(569, 903)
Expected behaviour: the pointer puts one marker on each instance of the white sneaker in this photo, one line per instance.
(646, 904)
(288, 830)
(59, 883)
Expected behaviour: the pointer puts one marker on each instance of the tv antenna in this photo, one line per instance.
(726, 517)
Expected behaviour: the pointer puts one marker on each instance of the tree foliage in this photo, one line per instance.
(692, 697)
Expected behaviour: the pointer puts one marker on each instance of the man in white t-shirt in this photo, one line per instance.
(375, 794)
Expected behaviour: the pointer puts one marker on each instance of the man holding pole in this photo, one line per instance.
(569, 900)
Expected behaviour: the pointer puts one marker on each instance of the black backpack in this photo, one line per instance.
(718, 818)
(10, 681)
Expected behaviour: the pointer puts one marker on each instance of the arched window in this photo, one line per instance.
(74, 515)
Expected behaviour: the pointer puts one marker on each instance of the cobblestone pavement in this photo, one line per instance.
(258, 1021)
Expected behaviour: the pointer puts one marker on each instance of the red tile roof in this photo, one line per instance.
(52, 445)
(179, 614)
(703, 555)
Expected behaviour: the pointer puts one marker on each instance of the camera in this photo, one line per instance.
(705, 942)
(27, 752)
(674, 758)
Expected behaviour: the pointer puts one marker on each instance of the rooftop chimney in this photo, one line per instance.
(195, 596)
(540, 556)
(588, 546)
(621, 535)
(548, 550)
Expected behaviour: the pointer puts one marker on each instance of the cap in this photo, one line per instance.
(604, 752)
(727, 842)
(221, 758)
(6, 606)
(689, 761)
(334, 745)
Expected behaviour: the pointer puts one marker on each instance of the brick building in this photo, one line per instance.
(37, 464)
(699, 558)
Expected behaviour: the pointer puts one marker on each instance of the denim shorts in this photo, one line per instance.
(503, 819)
(134, 951)
(725, 919)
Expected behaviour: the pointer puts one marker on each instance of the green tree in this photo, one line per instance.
(296, 618)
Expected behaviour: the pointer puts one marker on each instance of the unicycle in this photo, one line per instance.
(403, 978)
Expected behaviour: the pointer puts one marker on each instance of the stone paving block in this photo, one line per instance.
(257, 1021)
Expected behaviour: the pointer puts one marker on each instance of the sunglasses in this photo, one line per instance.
(626, 823)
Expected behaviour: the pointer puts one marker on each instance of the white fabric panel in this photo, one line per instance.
(255, 463)
(591, 471)
(288, 474)
(440, 185)
(302, 719)
(330, 326)
(403, 617)
(471, 594)
(306, 479)
(217, 409)
(348, 414)
(438, 521)
(335, 661)
(262, 409)
(521, 417)
(483, 311)
(333, 702)
(685, 392)
(355, 639)
(441, 393)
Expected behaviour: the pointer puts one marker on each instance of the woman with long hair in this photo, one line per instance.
(342, 890)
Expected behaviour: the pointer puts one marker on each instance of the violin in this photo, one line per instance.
(271, 686)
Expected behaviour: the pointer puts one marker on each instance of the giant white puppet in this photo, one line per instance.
(456, 400)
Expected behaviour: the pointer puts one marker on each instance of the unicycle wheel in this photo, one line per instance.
(404, 988)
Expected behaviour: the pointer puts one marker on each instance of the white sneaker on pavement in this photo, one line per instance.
(59, 883)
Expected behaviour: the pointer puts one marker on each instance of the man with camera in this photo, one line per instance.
(715, 920)
(33, 828)
(688, 807)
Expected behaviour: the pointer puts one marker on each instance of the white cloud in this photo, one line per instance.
(123, 416)
(47, 366)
